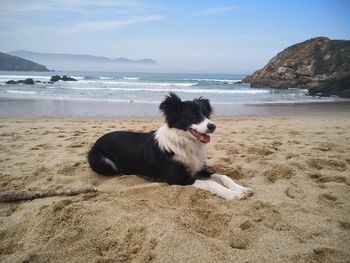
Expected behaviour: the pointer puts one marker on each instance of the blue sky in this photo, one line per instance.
(182, 36)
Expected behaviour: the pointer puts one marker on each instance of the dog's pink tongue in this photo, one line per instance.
(204, 138)
(200, 136)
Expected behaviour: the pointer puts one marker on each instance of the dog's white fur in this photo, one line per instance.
(202, 127)
(110, 163)
(186, 149)
(218, 189)
(193, 154)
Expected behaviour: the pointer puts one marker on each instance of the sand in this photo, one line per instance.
(298, 167)
(19, 107)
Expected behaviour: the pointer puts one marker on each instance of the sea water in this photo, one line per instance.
(146, 88)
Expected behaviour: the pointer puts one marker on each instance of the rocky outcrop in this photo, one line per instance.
(26, 81)
(339, 86)
(308, 65)
(13, 63)
(64, 78)
(52, 80)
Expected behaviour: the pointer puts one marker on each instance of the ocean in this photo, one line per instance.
(225, 92)
(147, 88)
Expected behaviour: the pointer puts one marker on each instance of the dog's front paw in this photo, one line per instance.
(247, 191)
(234, 195)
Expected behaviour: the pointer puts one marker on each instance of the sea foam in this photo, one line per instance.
(21, 91)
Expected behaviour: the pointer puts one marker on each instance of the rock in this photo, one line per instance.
(307, 65)
(26, 81)
(11, 82)
(55, 78)
(339, 86)
(64, 78)
(306, 71)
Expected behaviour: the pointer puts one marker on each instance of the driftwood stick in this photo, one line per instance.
(18, 195)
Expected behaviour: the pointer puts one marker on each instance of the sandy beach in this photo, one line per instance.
(299, 168)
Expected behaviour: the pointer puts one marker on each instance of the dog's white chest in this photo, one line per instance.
(192, 156)
(187, 151)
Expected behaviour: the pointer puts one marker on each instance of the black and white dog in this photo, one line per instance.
(175, 153)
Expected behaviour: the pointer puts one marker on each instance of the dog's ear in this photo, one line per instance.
(205, 106)
(170, 106)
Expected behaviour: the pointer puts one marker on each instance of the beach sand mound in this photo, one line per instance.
(298, 168)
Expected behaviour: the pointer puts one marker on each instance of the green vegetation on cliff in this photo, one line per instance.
(330, 56)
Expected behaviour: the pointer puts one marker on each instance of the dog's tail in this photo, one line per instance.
(102, 162)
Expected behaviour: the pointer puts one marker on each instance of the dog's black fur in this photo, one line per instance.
(140, 154)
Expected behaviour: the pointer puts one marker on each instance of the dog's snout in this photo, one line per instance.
(211, 127)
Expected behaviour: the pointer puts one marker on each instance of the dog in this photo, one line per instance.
(175, 153)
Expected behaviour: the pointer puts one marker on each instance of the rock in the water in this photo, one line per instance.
(26, 81)
(306, 65)
(64, 78)
(55, 78)
(11, 82)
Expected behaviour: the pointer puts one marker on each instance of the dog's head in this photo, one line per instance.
(190, 116)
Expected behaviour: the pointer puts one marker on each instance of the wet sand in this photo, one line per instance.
(29, 108)
(298, 167)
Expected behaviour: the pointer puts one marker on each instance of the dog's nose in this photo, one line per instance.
(211, 127)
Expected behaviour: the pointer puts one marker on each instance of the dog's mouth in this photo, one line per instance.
(204, 138)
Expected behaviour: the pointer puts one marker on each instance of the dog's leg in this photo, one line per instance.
(218, 189)
(230, 184)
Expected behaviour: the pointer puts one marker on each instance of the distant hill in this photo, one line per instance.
(318, 64)
(42, 57)
(14, 63)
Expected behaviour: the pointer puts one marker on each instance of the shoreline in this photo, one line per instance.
(11, 107)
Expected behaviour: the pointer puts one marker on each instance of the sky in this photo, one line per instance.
(182, 36)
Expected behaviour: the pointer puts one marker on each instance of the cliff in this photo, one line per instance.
(317, 62)
(13, 63)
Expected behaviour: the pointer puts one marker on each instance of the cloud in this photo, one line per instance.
(73, 16)
(13, 8)
(214, 11)
(90, 26)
